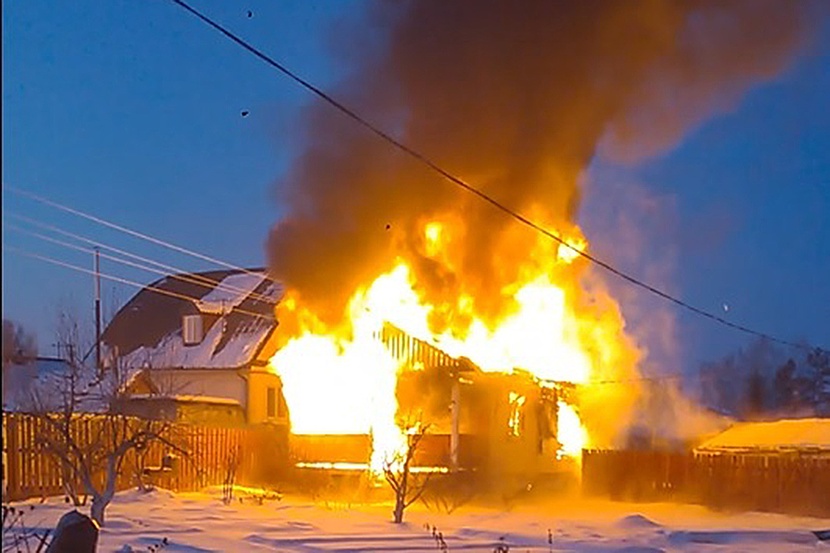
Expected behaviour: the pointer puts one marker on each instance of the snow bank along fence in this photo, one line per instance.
(787, 482)
(203, 456)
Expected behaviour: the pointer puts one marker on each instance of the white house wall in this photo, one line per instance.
(227, 384)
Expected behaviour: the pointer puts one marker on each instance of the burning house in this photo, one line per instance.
(496, 423)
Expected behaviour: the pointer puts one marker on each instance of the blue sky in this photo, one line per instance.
(132, 111)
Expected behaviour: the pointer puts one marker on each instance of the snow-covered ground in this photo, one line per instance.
(200, 522)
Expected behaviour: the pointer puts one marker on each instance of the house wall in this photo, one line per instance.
(210, 414)
(520, 441)
(224, 383)
(261, 409)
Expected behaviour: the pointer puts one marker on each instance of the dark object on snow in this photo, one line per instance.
(823, 535)
(169, 463)
(75, 533)
(250, 14)
(388, 226)
(245, 113)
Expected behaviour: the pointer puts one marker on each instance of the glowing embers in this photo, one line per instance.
(363, 467)
(515, 421)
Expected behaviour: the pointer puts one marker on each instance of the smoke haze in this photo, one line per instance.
(516, 99)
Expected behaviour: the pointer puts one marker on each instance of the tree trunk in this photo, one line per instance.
(100, 501)
(99, 505)
(399, 507)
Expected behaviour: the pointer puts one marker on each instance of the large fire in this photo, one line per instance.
(342, 380)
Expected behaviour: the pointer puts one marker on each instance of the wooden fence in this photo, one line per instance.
(787, 483)
(201, 457)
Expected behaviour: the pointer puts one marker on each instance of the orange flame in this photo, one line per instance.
(342, 381)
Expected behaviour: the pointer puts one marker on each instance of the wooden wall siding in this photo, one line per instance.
(30, 472)
(785, 482)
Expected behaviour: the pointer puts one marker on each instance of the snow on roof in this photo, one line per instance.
(229, 293)
(171, 352)
(791, 434)
(147, 332)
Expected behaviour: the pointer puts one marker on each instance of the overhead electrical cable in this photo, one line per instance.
(124, 229)
(186, 276)
(121, 280)
(423, 159)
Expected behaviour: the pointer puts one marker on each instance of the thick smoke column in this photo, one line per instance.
(515, 98)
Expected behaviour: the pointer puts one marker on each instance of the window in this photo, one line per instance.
(516, 420)
(272, 401)
(192, 329)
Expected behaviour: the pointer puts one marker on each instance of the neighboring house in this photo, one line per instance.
(200, 339)
(781, 465)
(800, 437)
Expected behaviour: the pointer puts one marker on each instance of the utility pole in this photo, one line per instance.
(97, 311)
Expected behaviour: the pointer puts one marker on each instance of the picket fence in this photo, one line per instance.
(201, 456)
(786, 482)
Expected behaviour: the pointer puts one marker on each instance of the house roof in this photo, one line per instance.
(239, 317)
(782, 435)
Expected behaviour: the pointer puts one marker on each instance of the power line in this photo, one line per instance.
(182, 277)
(350, 113)
(635, 380)
(185, 276)
(126, 230)
(128, 282)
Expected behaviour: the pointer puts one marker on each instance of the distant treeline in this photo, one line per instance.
(764, 380)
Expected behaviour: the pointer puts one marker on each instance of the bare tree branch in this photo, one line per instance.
(397, 472)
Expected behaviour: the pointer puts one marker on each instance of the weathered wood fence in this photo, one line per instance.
(787, 483)
(202, 456)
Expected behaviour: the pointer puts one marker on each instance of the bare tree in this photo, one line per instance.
(83, 433)
(448, 492)
(19, 345)
(17, 534)
(397, 471)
